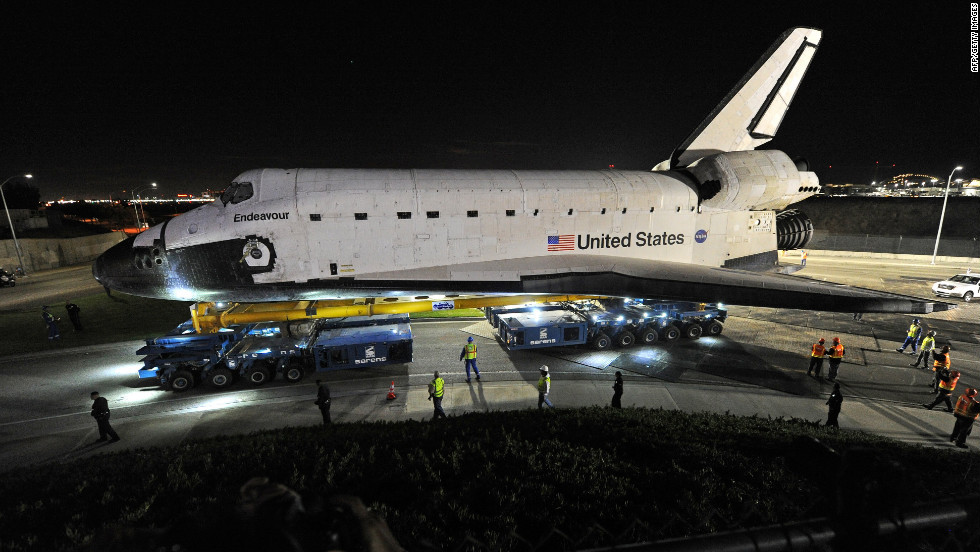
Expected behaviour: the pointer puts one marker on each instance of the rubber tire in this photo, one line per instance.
(625, 339)
(220, 378)
(968, 296)
(181, 381)
(293, 373)
(257, 375)
(713, 328)
(693, 331)
(601, 342)
(670, 333)
(648, 336)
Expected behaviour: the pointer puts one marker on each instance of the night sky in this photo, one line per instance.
(96, 100)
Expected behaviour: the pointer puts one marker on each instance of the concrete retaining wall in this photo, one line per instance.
(52, 253)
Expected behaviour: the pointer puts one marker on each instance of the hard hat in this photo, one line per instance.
(915, 320)
(954, 374)
(945, 348)
(544, 368)
(836, 340)
(821, 340)
(932, 332)
(470, 339)
(971, 393)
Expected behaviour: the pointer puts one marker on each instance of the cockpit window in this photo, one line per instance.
(237, 192)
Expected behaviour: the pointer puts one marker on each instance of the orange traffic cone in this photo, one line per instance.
(391, 391)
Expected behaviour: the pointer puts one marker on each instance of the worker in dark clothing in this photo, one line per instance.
(835, 400)
(966, 412)
(100, 411)
(73, 315)
(618, 391)
(323, 400)
(817, 352)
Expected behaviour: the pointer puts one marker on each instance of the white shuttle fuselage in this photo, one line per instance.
(704, 226)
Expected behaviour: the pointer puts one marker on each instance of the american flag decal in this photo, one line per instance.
(563, 242)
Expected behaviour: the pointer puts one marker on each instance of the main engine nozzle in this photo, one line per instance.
(793, 229)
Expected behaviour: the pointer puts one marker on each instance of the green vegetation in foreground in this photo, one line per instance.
(455, 313)
(638, 474)
(104, 320)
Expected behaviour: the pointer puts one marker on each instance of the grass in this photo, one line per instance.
(104, 320)
(454, 313)
(560, 480)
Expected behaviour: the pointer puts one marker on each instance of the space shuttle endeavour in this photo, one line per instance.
(704, 225)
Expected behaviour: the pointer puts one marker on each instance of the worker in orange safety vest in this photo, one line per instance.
(946, 386)
(966, 412)
(940, 365)
(836, 355)
(817, 352)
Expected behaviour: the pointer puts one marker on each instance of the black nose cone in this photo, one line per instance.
(114, 268)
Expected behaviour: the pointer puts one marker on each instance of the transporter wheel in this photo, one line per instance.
(257, 375)
(601, 342)
(219, 378)
(648, 336)
(181, 380)
(713, 328)
(693, 331)
(625, 338)
(293, 372)
(968, 296)
(670, 333)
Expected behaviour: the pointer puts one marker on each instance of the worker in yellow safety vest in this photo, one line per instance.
(911, 336)
(469, 354)
(928, 344)
(817, 352)
(436, 390)
(544, 388)
(836, 354)
(966, 412)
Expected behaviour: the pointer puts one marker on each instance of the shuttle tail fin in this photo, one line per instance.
(750, 114)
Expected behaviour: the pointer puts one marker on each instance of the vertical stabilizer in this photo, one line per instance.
(750, 114)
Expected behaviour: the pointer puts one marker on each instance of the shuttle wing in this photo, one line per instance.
(750, 114)
(596, 275)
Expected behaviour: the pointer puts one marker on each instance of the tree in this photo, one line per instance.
(21, 195)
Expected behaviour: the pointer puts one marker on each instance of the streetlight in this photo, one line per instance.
(136, 197)
(20, 259)
(943, 215)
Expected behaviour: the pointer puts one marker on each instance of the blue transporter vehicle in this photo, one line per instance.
(182, 357)
(260, 352)
(604, 323)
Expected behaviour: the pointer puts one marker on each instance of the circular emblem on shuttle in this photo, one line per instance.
(701, 236)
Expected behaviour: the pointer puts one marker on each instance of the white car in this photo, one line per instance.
(966, 286)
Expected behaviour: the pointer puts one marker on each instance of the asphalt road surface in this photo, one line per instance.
(757, 366)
